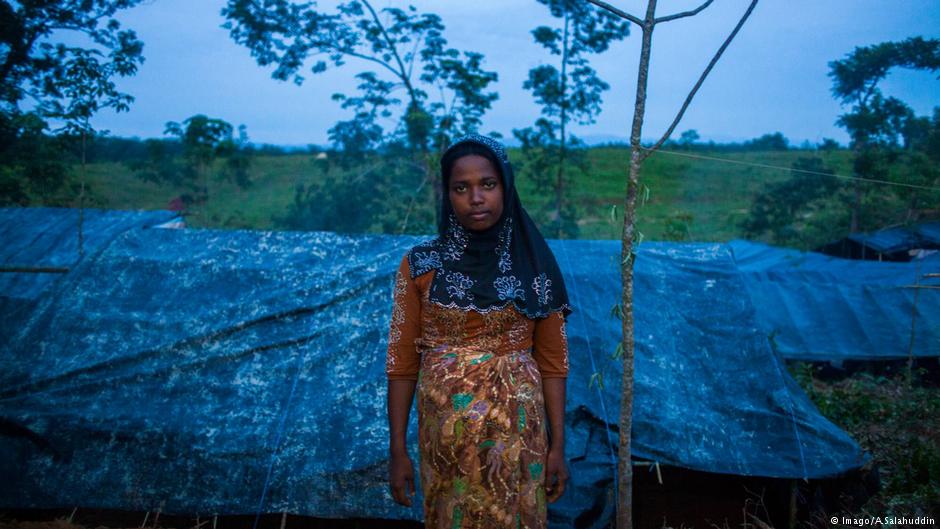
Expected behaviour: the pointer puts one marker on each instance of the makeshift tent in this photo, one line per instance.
(818, 307)
(43, 243)
(890, 244)
(243, 371)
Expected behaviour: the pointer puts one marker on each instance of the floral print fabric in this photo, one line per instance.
(418, 325)
(482, 439)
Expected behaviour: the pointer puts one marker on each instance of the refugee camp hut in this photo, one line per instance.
(719, 425)
(819, 307)
(897, 243)
(845, 314)
(242, 372)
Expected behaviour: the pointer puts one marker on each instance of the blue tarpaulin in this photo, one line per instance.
(221, 371)
(48, 238)
(929, 233)
(897, 243)
(888, 240)
(819, 307)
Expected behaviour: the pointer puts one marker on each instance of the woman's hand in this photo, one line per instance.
(401, 476)
(401, 473)
(556, 474)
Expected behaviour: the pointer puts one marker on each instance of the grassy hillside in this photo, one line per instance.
(717, 194)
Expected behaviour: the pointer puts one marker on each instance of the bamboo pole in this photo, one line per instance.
(35, 269)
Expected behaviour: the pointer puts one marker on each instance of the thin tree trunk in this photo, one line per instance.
(858, 151)
(856, 205)
(912, 208)
(564, 119)
(627, 255)
(81, 197)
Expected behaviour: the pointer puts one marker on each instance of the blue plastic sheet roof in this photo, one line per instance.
(243, 371)
(929, 231)
(820, 307)
(48, 238)
(890, 240)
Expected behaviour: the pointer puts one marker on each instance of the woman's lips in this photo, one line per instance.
(479, 216)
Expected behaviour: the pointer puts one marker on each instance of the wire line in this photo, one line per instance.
(767, 166)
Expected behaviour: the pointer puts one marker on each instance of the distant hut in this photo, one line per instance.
(897, 243)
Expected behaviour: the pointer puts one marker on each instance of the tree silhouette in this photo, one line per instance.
(61, 82)
(876, 124)
(204, 140)
(568, 93)
(444, 89)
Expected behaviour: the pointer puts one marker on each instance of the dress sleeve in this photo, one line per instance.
(402, 362)
(550, 345)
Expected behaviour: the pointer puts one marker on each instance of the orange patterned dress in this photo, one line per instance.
(482, 439)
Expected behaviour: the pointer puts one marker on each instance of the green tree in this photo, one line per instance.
(204, 141)
(921, 166)
(882, 128)
(768, 142)
(798, 212)
(375, 189)
(444, 90)
(688, 138)
(568, 93)
(58, 82)
(828, 145)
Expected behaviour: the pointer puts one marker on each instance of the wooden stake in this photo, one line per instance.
(792, 504)
(71, 516)
(145, 519)
(283, 519)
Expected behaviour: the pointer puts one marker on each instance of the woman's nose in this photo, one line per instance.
(476, 196)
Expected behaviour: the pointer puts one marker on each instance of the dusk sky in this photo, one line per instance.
(772, 78)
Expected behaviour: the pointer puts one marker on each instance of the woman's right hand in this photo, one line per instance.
(401, 476)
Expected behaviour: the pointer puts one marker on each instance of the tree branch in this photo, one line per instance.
(618, 12)
(684, 14)
(698, 84)
(414, 54)
(349, 51)
(394, 49)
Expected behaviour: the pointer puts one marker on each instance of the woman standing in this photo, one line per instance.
(478, 325)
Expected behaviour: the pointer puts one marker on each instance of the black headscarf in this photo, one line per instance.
(486, 270)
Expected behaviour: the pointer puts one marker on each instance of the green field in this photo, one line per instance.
(716, 193)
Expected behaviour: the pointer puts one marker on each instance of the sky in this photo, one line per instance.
(772, 78)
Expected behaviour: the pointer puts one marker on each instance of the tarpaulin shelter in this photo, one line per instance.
(823, 308)
(243, 371)
(40, 244)
(888, 244)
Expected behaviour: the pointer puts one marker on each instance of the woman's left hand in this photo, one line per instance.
(556, 474)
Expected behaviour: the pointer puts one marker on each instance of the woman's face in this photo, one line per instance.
(476, 192)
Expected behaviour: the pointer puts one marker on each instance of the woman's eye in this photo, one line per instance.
(490, 184)
(460, 189)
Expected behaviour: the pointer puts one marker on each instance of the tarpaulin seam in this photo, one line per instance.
(796, 430)
(277, 441)
(774, 355)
